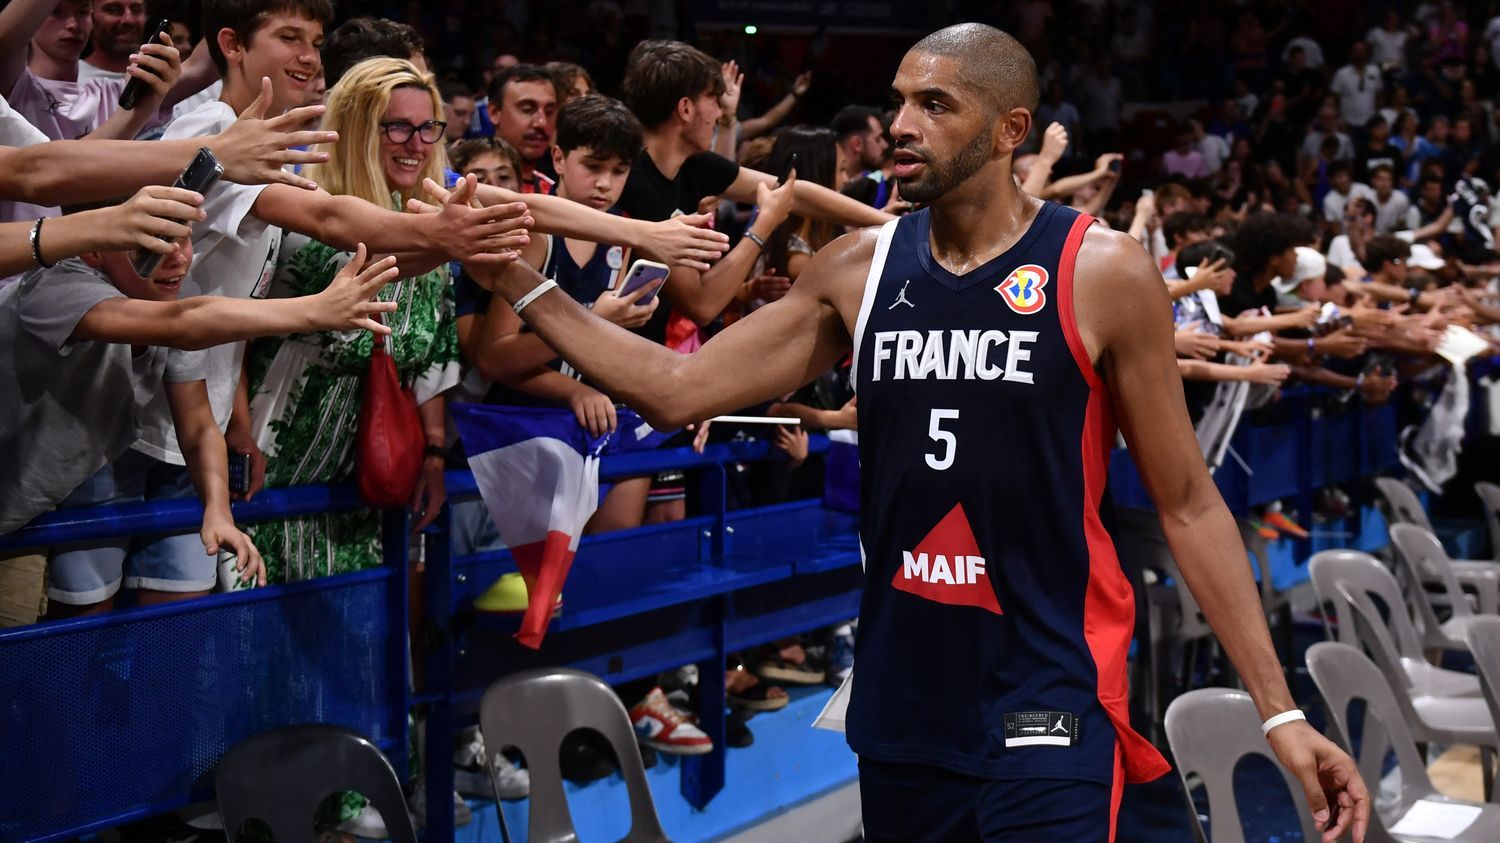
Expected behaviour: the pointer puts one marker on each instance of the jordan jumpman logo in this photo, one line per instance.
(902, 299)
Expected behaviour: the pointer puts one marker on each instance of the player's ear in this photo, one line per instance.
(1011, 128)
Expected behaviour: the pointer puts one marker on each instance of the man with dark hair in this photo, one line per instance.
(1181, 230)
(995, 339)
(861, 139)
(363, 38)
(458, 107)
(523, 107)
(119, 30)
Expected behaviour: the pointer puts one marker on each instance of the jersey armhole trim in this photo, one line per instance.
(872, 285)
(1066, 314)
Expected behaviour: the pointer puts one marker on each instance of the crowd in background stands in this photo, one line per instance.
(1318, 197)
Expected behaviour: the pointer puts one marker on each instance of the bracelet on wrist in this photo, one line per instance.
(536, 292)
(728, 121)
(756, 239)
(435, 451)
(36, 243)
(1281, 719)
(1312, 345)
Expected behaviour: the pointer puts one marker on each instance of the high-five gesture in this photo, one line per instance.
(347, 303)
(256, 151)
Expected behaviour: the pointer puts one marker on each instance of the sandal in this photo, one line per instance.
(745, 690)
(788, 666)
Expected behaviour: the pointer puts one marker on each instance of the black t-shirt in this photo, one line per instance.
(653, 197)
(1242, 297)
(1367, 158)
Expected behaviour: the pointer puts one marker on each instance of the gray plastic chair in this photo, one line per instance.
(1402, 506)
(1489, 493)
(1484, 642)
(533, 711)
(1431, 718)
(1343, 674)
(1210, 730)
(279, 777)
(1418, 549)
(1342, 576)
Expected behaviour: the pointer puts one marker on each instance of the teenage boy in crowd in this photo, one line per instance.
(86, 345)
(523, 107)
(119, 30)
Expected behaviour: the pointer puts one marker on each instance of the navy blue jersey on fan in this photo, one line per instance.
(585, 283)
(996, 618)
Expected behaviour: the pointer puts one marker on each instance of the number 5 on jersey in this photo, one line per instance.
(947, 442)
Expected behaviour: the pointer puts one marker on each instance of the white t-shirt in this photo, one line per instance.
(17, 131)
(234, 254)
(1492, 35)
(1390, 215)
(1387, 47)
(1357, 89)
(1334, 202)
(87, 71)
(1215, 150)
(1340, 253)
(1310, 50)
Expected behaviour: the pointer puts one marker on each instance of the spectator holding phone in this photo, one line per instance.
(86, 344)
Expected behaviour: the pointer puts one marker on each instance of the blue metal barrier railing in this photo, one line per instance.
(133, 708)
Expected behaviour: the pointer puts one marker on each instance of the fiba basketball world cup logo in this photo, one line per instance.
(1022, 289)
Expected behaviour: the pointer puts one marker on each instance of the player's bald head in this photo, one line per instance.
(996, 65)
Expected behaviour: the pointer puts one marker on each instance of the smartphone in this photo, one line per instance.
(134, 87)
(239, 473)
(1114, 166)
(1220, 252)
(644, 272)
(791, 165)
(199, 176)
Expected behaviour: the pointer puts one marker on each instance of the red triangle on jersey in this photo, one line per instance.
(946, 566)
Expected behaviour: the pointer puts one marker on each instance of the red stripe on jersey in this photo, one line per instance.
(1117, 790)
(1109, 602)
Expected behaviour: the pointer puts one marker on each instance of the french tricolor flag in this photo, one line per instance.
(538, 472)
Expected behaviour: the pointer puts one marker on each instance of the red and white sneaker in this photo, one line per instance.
(664, 728)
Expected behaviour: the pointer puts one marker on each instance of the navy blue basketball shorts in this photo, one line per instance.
(918, 803)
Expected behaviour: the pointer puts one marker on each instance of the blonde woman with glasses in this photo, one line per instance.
(305, 389)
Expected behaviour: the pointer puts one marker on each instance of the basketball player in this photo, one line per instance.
(997, 340)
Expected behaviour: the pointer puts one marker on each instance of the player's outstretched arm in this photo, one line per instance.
(1124, 317)
(763, 356)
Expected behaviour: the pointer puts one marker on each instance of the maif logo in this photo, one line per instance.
(946, 566)
(1022, 289)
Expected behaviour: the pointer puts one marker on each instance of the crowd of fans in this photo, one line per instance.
(1323, 216)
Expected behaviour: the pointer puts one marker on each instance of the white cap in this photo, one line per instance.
(1423, 257)
(1310, 264)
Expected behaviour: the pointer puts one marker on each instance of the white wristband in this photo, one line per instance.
(536, 293)
(1281, 719)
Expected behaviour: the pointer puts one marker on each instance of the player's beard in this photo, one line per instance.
(939, 177)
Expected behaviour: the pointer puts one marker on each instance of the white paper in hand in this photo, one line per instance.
(1459, 344)
(833, 714)
(1439, 820)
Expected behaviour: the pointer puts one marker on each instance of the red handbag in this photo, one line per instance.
(389, 442)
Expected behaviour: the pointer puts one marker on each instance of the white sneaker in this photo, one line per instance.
(470, 777)
(368, 824)
(418, 805)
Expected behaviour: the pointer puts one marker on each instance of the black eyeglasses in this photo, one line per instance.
(401, 131)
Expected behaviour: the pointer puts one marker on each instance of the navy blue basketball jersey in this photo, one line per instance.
(996, 619)
(586, 283)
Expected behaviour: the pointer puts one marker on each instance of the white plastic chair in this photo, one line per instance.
(1402, 506)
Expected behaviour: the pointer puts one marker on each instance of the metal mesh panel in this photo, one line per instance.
(102, 720)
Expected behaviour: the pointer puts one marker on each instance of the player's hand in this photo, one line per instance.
(1194, 344)
(683, 241)
(595, 412)
(1054, 143)
(346, 304)
(154, 212)
(1335, 792)
(157, 64)
(769, 287)
(627, 311)
(465, 231)
(219, 533)
(1342, 344)
(254, 150)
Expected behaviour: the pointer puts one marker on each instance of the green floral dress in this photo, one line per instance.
(304, 404)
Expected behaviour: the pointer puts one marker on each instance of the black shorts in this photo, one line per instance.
(918, 803)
